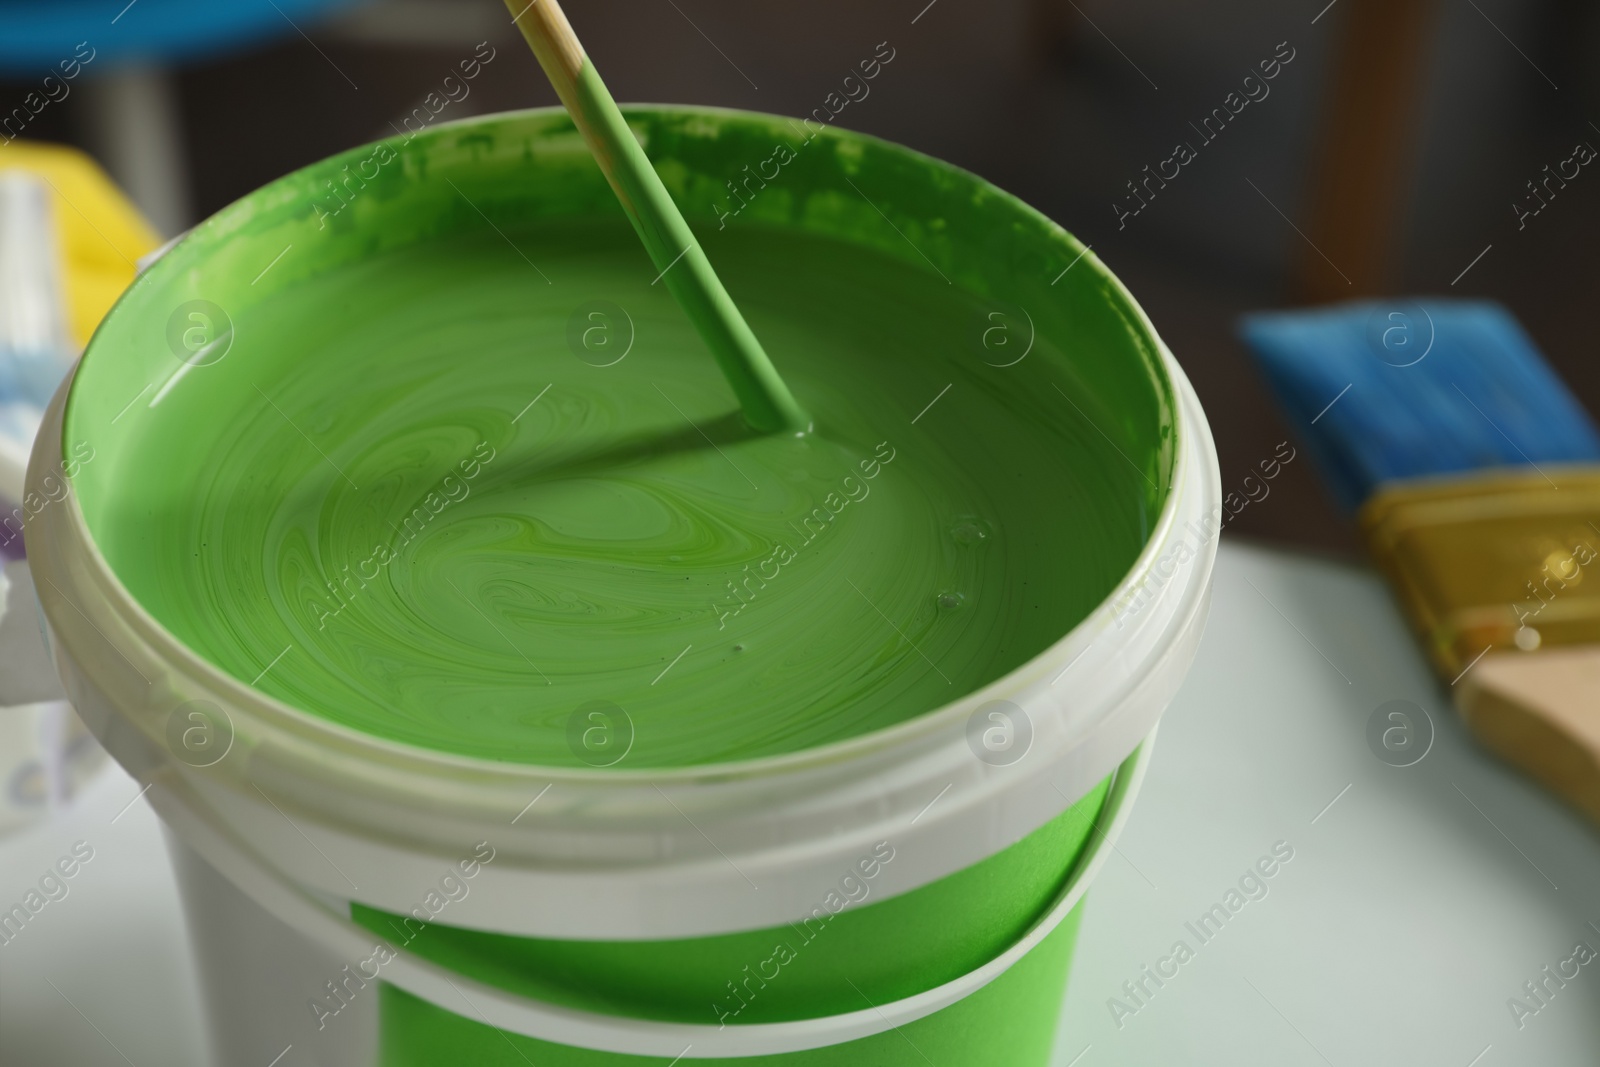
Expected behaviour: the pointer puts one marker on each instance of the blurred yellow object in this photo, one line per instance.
(100, 233)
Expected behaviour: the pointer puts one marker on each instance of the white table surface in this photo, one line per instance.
(1414, 906)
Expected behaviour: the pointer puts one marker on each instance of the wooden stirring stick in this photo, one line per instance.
(768, 405)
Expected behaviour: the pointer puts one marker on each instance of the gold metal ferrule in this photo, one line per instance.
(1500, 559)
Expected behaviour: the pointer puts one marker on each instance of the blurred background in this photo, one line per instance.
(1400, 146)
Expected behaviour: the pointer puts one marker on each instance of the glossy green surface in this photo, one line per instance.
(410, 493)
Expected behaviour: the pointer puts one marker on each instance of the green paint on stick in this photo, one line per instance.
(687, 273)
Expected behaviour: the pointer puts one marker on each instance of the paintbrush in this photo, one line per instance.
(1475, 478)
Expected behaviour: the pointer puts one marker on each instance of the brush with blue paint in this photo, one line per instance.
(1475, 478)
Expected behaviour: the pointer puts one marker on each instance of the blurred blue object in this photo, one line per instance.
(1408, 388)
(36, 34)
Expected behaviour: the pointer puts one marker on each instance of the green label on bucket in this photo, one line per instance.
(833, 963)
(888, 949)
(1011, 1022)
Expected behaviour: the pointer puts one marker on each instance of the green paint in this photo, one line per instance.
(685, 270)
(385, 366)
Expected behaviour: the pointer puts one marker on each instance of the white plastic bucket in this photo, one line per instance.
(283, 822)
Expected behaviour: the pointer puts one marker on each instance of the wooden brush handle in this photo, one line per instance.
(1541, 712)
(554, 44)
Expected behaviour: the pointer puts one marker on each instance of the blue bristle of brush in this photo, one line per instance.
(1483, 396)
